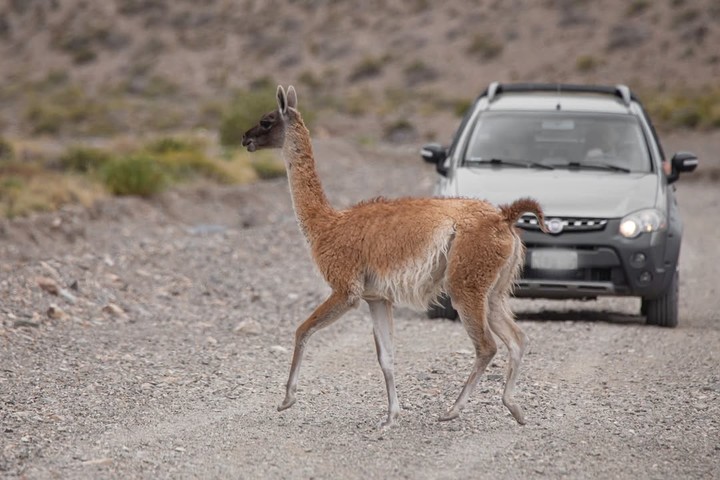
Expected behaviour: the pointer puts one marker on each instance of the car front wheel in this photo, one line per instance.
(663, 310)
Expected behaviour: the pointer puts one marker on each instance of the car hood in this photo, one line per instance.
(561, 193)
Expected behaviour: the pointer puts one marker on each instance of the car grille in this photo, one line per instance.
(569, 224)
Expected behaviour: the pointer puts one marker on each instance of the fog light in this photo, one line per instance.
(638, 259)
(645, 277)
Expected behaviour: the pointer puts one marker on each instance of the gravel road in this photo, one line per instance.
(153, 339)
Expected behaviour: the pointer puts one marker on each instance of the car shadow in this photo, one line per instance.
(581, 315)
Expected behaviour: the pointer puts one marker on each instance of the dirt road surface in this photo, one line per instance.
(160, 343)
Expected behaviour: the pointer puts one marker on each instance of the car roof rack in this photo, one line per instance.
(621, 91)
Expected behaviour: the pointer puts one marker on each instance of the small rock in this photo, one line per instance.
(211, 340)
(278, 349)
(248, 327)
(179, 449)
(113, 310)
(98, 461)
(25, 323)
(48, 284)
(56, 313)
(69, 297)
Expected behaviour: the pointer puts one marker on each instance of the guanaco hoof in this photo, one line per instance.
(287, 403)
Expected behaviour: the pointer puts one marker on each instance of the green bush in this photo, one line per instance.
(185, 165)
(586, 63)
(138, 174)
(84, 159)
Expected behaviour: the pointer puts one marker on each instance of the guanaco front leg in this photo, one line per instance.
(329, 311)
(381, 312)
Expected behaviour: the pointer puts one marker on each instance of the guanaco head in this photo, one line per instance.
(270, 131)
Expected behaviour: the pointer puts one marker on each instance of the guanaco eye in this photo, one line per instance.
(265, 124)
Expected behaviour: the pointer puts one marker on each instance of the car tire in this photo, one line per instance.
(442, 309)
(663, 310)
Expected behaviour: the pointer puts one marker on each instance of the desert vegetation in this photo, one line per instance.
(78, 79)
(43, 181)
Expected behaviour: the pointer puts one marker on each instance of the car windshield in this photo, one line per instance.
(610, 142)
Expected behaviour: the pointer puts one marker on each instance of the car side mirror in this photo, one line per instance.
(435, 153)
(682, 162)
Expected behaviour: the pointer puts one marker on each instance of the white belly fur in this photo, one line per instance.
(418, 282)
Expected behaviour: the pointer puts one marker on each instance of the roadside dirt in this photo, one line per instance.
(165, 351)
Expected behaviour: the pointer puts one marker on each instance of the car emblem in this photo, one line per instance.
(554, 225)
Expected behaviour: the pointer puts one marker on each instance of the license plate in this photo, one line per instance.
(554, 259)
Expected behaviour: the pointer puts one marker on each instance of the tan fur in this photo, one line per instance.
(405, 251)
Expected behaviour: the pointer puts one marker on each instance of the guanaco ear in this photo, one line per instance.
(282, 100)
(291, 97)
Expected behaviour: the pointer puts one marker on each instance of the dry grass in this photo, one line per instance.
(26, 189)
(684, 108)
(36, 178)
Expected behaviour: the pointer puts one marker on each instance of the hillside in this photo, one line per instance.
(79, 67)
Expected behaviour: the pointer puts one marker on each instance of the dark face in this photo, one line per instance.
(270, 131)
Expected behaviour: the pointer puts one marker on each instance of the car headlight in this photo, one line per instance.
(642, 221)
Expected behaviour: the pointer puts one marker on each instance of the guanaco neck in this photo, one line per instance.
(309, 201)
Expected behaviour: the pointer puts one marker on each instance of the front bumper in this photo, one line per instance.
(607, 264)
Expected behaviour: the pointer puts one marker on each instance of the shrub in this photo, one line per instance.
(636, 7)
(485, 46)
(418, 72)
(7, 152)
(69, 108)
(367, 68)
(138, 174)
(185, 165)
(84, 159)
(400, 131)
(684, 108)
(45, 119)
(586, 63)
(172, 144)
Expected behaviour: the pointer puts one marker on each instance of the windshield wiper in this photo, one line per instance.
(509, 162)
(593, 166)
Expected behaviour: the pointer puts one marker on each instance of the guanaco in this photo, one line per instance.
(404, 251)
